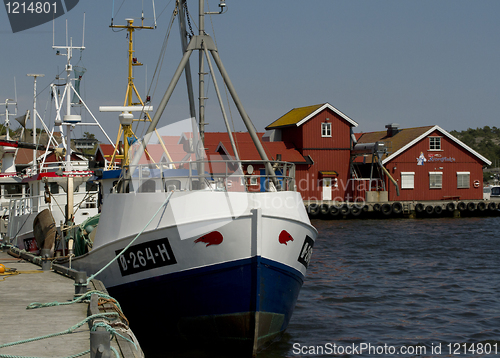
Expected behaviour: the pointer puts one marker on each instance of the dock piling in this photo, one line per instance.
(46, 263)
(80, 283)
(100, 344)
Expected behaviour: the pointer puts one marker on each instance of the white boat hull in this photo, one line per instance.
(233, 262)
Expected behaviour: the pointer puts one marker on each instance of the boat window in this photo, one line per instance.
(148, 186)
(195, 185)
(495, 191)
(172, 184)
(54, 188)
(13, 189)
(90, 186)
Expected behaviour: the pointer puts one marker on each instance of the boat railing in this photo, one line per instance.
(36, 203)
(75, 166)
(213, 175)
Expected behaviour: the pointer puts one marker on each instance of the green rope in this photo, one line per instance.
(113, 331)
(82, 298)
(69, 330)
(165, 203)
(72, 356)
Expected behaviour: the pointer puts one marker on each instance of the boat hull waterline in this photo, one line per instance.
(215, 267)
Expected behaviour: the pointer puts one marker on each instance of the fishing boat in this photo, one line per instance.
(187, 248)
(56, 192)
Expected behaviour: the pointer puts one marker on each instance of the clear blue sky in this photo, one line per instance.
(410, 62)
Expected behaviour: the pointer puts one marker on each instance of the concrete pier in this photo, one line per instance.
(327, 209)
(29, 284)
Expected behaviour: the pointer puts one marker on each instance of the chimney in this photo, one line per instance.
(392, 129)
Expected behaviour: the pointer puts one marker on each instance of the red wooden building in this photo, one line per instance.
(425, 163)
(323, 136)
(413, 164)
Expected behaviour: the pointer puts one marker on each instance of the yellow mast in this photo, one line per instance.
(131, 89)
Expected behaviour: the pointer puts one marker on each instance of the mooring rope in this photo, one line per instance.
(164, 204)
(67, 331)
(85, 297)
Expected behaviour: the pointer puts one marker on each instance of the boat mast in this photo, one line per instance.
(8, 158)
(71, 120)
(35, 151)
(204, 42)
(184, 43)
(126, 118)
(201, 56)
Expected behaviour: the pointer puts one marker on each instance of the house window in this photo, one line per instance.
(326, 129)
(463, 180)
(435, 180)
(407, 180)
(434, 143)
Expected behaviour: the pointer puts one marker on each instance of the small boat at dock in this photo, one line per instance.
(219, 265)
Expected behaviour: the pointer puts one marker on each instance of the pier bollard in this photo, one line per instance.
(80, 283)
(100, 344)
(46, 263)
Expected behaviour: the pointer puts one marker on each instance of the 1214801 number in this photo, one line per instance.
(31, 7)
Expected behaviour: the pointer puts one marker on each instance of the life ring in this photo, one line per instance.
(355, 210)
(313, 209)
(386, 209)
(324, 209)
(419, 208)
(476, 184)
(397, 208)
(334, 210)
(345, 210)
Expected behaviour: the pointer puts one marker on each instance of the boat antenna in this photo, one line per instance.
(130, 105)
(71, 120)
(33, 118)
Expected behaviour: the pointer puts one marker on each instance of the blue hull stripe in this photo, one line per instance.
(234, 288)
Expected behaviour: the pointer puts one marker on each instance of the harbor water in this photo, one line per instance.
(396, 287)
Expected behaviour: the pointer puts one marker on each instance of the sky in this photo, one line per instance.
(410, 62)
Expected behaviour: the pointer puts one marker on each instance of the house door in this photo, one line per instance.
(327, 189)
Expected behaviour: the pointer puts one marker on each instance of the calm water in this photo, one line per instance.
(383, 285)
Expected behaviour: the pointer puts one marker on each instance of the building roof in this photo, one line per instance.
(298, 116)
(406, 138)
(106, 150)
(219, 141)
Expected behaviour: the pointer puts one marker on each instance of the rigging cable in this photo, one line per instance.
(159, 63)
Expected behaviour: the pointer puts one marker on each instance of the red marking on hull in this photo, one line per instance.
(212, 238)
(285, 237)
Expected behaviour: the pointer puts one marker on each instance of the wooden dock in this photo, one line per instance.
(25, 283)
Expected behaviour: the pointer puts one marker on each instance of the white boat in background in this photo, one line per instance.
(218, 264)
(57, 184)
